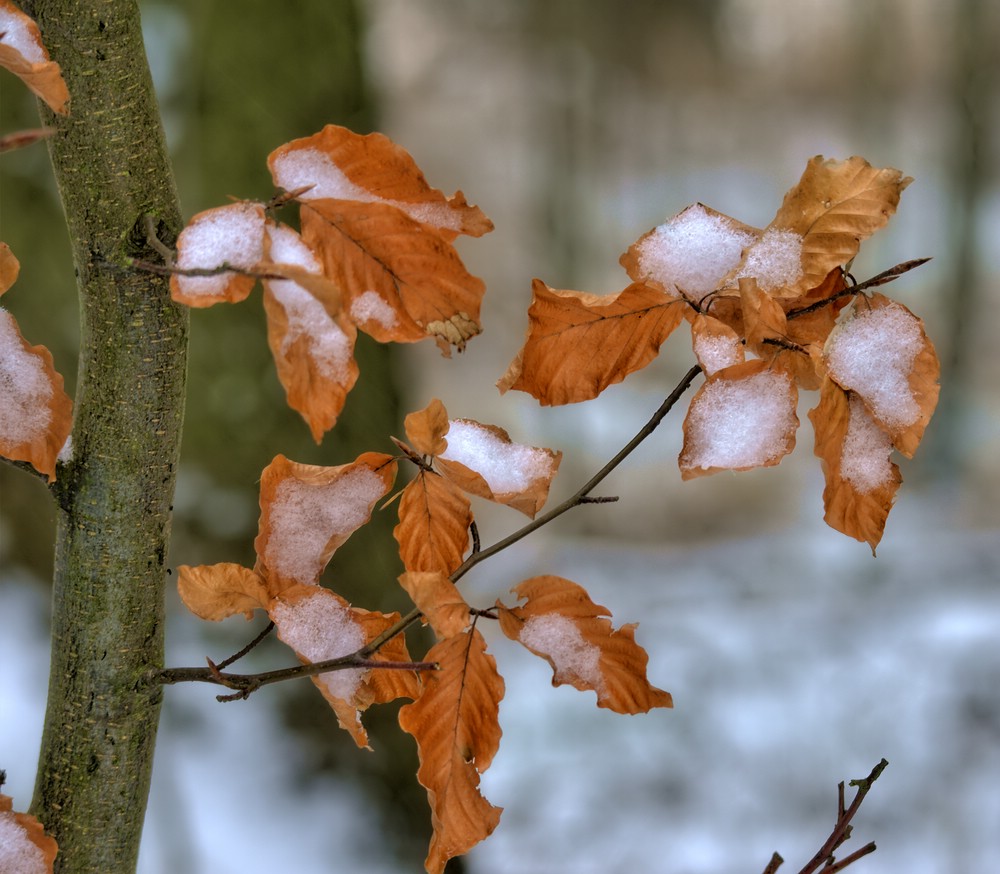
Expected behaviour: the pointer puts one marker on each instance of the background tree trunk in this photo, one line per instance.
(115, 494)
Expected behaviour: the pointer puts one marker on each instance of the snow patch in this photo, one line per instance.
(18, 853)
(558, 637)
(372, 307)
(774, 260)
(232, 234)
(25, 390)
(864, 459)
(715, 352)
(320, 628)
(17, 35)
(506, 467)
(692, 252)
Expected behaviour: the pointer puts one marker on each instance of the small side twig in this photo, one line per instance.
(882, 278)
(235, 657)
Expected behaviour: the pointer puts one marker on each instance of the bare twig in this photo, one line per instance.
(21, 138)
(235, 657)
(775, 863)
(881, 279)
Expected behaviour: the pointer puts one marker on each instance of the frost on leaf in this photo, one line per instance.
(311, 339)
(24, 846)
(861, 480)
(321, 626)
(217, 591)
(579, 343)
(716, 345)
(484, 461)
(308, 512)
(230, 235)
(439, 600)
(742, 417)
(434, 520)
(881, 352)
(22, 52)
(36, 414)
(561, 624)
(455, 723)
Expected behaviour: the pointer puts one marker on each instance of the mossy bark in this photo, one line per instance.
(115, 493)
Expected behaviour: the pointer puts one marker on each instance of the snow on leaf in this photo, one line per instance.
(22, 52)
(36, 414)
(861, 481)
(217, 591)
(882, 352)
(426, 428)
(484, 461)
(834, 206)
(231, 234)
(775, 260)
(413, 272)
(691, 253)
(338, 164)
(455, 723)
(308, 512)
(434, 520)
(24, 846)
(716, 345)
(560, 623)
(578, 343)
(312, 341)
(742, 417)
(439, 600)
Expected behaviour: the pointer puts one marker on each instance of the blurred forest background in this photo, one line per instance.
(576, 126)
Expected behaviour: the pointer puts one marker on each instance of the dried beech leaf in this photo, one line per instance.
(578, 343)
(9, 268)
(561, 624)
(455, 723)
(881, 352)
(835, 206)
(402, 282)
(36, 414)
(742, 417)
(22, 52)
(338, 164)
(308, 512)
(811, 327)
(434, 520)
(427, 429)
(439, 600)
(715, 344)
(25, 847)
(768, 336)
(231, 235)
(383, 685)
(861, 481)
(484, 461)
(217, 591)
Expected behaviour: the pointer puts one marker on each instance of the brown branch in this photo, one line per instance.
(882, 278)
(235, 657)
(224, 267)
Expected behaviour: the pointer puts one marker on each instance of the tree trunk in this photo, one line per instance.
(115, 493)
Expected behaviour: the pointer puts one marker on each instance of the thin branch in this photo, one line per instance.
(775, 863)
(155, 243)
(235, 657)
(224, 267)
(882, 278)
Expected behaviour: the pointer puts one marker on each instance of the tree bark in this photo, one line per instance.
(115, 493)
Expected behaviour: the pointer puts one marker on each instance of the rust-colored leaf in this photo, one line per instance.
(383, 685)
(579, 343)
(427, 428)
(560, 623)
(9, 268)
(881, 351)
(22, 52)
(216, 591)
(25, 846)
(768, 337)
(455, 723)
(308, 512)
(434, 520)
(861, 481)
(742, 417)
(439, 600)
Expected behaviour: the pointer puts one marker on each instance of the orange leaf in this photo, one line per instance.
(215, 591)
(835, 206)
(561, 624)
(230, 235)
(24, 846)
(434, 520)
(882, 352)
(383, 685)
(742, 417)
(308, 512)
(807, 326)
(438, 599)
(861, 481)
(36, 414)
(716, 345)
(338, 164)
(402, 282)
(427, 428)
(578, 343)
(311, 340)
(484, 461)
(455, 724)
(9, 268)
(768, 336)
(22, 52)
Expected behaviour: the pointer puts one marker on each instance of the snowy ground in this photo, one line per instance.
(795, 661)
